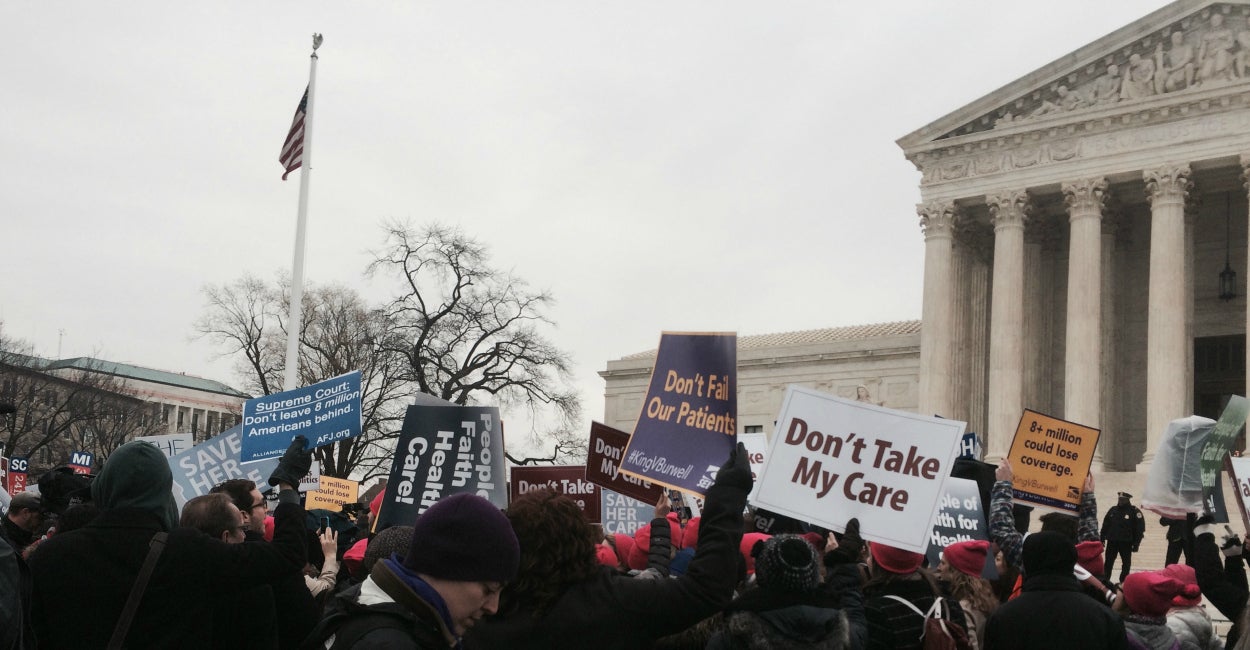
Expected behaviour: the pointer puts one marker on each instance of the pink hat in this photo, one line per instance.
(748, 543)
(624, 546)
(816, 540)
(1089, 556)
(1150, 593)
(968, 557)
(605, 555)
(1185, 575)
(690, 536)
(894, 560)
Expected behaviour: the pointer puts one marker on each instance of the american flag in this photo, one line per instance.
(293, 149)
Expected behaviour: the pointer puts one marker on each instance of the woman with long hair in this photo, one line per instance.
(562, 598)
(960, 568)
(896, 575)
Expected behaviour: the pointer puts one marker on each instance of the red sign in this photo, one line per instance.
(603, 459)
(569, 480)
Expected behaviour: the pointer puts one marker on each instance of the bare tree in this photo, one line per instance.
(469, 331)
(59, 410)
(244, 319)
(339, 334)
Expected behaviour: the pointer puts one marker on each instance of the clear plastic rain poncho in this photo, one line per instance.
(1174, 487)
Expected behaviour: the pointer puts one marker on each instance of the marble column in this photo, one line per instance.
(1167, 188)
(1083, 348)
(1109, 420)
(937, 220)
(1245, 175)
(1008, 212)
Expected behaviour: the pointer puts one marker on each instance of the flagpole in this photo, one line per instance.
(295, 323)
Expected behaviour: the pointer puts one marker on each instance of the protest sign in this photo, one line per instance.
(960, 519)
(569, 480)
(443, 450)
(1222, 439)
(199, 468)
(607, 446)
(757, 449)
(970, 446)
(622, 514)
(1239, 470)
(1050, 459)
(170, 444)
(333, 493)
(833, 458)
(81, 461)
(689, 417)
(324, 412)
(18, 467)
(312, 480)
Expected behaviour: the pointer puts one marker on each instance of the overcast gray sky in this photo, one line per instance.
(723, 166)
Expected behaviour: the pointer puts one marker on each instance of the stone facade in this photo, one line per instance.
(884, 359)
(1087, 205)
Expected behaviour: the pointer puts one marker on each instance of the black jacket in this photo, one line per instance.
(83, 577)
(292, 603)
(1222, 581)
(380, 626)
(611, 611)
(1123, 524)
(1051, 612)
(763, 618)
(893, 625)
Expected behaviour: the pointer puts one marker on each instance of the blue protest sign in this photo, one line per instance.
(688, 423)
(444, 450)
(970, 446)
(199, 468)
(960, 519)
(324, 412)
(622, 514)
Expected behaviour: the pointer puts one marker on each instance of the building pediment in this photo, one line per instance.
(1190, 55)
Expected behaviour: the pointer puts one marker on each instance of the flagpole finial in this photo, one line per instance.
(316, 41)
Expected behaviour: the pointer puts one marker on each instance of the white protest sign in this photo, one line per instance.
(757, 449)
(311, 480)
(832, 459)
(170, 444)
(1240, 468)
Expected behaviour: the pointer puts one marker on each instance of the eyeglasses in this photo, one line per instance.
(263, 504)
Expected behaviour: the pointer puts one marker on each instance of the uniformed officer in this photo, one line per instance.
(1122, 532)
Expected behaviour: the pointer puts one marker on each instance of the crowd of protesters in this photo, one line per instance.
(109, 562)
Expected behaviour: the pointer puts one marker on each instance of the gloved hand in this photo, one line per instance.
(849, 547)
(294, 464)
(736, 472)
(1230, 544)
(1135, 547)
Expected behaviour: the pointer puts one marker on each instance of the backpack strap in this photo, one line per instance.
(908, 603)
(155, 546)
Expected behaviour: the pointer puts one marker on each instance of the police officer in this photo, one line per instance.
(1122, 532)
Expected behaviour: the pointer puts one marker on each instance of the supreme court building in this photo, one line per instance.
(1077, 223)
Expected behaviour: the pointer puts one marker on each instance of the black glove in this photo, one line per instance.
(1135, 547)
(849, 546)
(736, 472)
(294, 464)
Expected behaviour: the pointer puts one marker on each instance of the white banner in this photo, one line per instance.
(170, 444)
(832, 459)
(757, 451)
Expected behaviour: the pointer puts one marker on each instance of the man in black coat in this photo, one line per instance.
(83, 578)
(1051, 610)
(1122, 530)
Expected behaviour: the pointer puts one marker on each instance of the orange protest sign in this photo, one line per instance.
(334, 492)
(1050, 459)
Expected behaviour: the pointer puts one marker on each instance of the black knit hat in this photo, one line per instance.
(464, 537)
(1048, 553)
(395, 539)
(787, 563)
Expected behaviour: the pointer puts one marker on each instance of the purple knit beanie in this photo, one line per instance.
(464, 537)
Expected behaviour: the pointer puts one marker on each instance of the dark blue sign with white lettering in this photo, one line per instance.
(325, 412)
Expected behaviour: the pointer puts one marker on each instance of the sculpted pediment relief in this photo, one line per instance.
(1206, 49)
